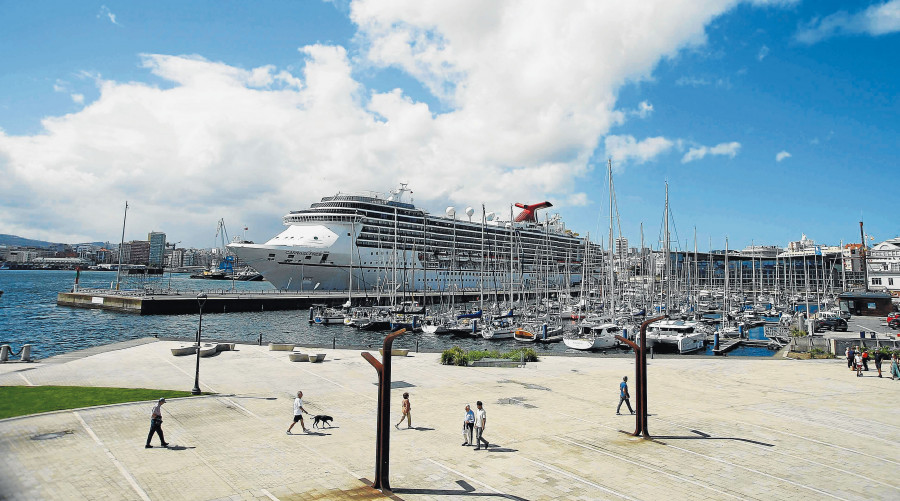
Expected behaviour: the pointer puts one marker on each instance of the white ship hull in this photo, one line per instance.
(336, 245)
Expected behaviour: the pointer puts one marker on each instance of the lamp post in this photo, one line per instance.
(201, 299)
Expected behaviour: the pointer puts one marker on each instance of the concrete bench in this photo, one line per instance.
(184, 350)
(299, 357)
(281, 347)
(494, 362)
(396, 352)
(318, 357)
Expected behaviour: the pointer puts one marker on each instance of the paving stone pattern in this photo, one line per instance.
(724, 428)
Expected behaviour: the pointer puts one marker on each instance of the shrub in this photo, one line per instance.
(458, 356)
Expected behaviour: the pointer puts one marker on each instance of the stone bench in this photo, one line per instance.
(299, 357)
(281, 347)
(396, 352)
(184, 350)
(495, 362)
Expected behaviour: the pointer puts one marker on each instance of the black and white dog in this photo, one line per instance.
(321, 419)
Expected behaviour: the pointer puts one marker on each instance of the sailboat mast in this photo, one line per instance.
(121, 246)
(612, 271)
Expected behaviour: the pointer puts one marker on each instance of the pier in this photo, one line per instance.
(174, 302)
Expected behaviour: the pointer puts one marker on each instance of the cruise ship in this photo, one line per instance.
(373, 242)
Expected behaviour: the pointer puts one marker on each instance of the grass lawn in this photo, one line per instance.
(23, 400)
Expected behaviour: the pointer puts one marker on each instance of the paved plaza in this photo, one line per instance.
(724, 428)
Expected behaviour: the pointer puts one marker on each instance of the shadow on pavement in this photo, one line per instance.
(466, 490)
(177, 448)
(705, 436)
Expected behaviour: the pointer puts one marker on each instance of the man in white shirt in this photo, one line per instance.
(298, 413)
(156, 424)
(480, 423)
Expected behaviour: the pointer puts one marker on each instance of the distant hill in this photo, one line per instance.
(25, 242)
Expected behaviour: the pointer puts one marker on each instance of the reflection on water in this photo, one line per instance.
(29, 314)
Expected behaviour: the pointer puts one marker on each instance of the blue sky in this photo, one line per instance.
(768, 118)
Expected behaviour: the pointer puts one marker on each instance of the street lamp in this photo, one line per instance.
(201, 298)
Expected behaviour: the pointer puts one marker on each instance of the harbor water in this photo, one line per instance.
(29, 314)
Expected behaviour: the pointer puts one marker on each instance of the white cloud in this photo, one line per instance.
(77, 98)
(877, 19)
(529, 88)
(626, 149)
(644, 109)
(763, 52)
(722, 149)
(782, 155)
(105, 12)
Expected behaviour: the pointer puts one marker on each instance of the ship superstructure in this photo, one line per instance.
(367, 241)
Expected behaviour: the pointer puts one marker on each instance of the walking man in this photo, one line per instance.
(879, 356)
(468, 426)
(405, 409)
(480, 423)
(298, 413)
(156, 424)
(624, 396)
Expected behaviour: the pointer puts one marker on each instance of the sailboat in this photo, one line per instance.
(673, 335)
(598, 334)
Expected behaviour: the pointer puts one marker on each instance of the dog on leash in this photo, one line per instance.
(322, 419)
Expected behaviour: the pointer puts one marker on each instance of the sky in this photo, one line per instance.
(769, 119)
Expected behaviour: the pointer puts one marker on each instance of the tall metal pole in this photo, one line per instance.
(201, 299)
(862, 254)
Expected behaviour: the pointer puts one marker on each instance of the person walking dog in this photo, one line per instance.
(624, 396)
(298, 413)
(156, 424)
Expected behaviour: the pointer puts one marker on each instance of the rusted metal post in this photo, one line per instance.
(640, 376)
(382, 424)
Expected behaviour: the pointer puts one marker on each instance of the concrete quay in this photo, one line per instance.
(725, 428)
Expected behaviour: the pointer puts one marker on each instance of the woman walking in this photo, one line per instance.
(895, 367)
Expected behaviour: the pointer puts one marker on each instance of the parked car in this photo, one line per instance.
(893, 320)
(831, 324)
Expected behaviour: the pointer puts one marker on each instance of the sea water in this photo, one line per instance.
(29, 314)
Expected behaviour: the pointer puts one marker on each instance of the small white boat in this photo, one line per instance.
(675, 335)
(592, 336)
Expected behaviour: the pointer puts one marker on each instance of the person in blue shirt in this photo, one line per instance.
(624, 396)
(468, 426)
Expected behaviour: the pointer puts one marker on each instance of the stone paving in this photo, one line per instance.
(725, 428)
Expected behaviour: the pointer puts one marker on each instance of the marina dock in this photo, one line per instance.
(173, 302)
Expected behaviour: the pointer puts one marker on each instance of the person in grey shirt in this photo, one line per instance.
(480, 423)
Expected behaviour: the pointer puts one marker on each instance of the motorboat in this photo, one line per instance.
(593, 336)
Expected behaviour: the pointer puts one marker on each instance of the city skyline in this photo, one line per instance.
(769, 118)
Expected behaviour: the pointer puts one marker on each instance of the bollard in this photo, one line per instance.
(716, 340)
(333, 342)
(417, 346)
(4, 353)
(651, 352)
(260, 338)
(26, 353)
